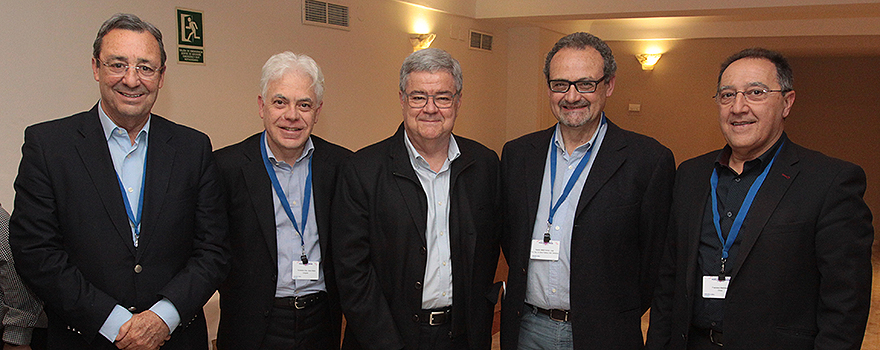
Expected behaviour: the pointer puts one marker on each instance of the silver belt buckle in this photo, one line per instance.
(297, 305)
(712, 340)
(431, 318)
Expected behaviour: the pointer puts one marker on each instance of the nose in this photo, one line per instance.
(431, 106)
(740, 103)
(572, 95)
(130, 77)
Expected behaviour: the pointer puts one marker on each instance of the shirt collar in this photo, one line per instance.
(723, 159)
(560, 144)
(108, 125)
(452, 152)
(308, 149)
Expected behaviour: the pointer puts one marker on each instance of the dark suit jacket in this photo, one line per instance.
(71, 236)
(619, 228)
(380, 249)
(247, 295)
(803, 276)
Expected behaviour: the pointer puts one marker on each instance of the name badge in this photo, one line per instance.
(713, 288)
(545, 251)
(305, 271)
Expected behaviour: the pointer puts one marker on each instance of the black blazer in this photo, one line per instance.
(380, 249)
(247, 295)
(802, 277)
(619, 228)
(72, 241)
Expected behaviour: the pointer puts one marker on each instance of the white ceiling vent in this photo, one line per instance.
(481, 41)
(325, 14)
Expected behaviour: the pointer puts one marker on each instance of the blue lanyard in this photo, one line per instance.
(743, 210)
(135, 220)
(571, 180)
(284, 203)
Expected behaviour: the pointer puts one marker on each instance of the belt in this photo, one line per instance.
(715, 337)
(300, 302)
(555, 314)
(435, 317)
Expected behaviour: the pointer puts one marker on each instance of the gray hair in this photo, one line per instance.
(287, 61)
(430, 60)
(131, 22)
(784, 75)
(581, 41)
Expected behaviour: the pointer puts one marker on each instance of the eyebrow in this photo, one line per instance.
(124, 58)
(751, 84)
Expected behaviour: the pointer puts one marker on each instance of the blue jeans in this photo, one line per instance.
(539, 332)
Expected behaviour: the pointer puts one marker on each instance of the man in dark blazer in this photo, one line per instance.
(770, 242)
(120, 223)
(415, 224)
(585, 280)
(262, 305)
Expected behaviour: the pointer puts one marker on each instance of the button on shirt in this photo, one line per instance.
(290, 247)
(128, 161)
(731, 191)
(549, 283)
(437, 290)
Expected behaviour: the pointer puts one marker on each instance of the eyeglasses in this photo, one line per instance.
(754, 94)
(119, 68)
(582, 86)
(420, 100)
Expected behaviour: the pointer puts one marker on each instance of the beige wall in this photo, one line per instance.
(46, 47)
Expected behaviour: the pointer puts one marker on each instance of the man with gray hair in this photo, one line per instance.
(415, 234)
(585, 209)
(119, 223)
(281, 292)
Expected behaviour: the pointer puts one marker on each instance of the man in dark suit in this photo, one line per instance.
(415, 224)
(120, 223)
(770, 242)
(585, 210)
(271, 299)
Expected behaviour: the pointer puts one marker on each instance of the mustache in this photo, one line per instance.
(578, 104)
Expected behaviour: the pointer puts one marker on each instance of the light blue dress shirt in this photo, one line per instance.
(293, 180)
(437, 287)
(549, 282)
(128, 161)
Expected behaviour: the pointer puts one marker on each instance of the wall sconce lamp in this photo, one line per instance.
(421, 41)
(648, 60)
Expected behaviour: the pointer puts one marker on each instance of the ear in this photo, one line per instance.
(260, 105)
(317, 112)
(788, 101)
(610, 82)
(95, 69)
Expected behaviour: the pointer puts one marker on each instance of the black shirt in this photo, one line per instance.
(731, 191)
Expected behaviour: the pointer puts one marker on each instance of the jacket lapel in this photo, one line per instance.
(695, 208)
(322, 192)
(780, 177)
(160, 161)
(608, 160)
(259, 189)
(533, 174)
(95, 155)
(408, 183)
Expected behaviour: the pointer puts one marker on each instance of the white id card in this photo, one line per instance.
(545, 251)
(305, 272)
(713, 288)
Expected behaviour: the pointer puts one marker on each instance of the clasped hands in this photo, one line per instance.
(145, 330)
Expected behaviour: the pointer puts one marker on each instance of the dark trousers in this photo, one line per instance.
(440, 338)
(305, 329)
(698, 339)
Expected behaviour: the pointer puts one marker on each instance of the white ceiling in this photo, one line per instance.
(676, 19)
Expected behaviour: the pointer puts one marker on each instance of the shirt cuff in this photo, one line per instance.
(168, 313)
(17, 335)
(118, 317)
